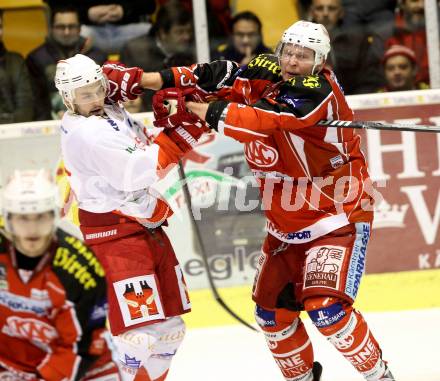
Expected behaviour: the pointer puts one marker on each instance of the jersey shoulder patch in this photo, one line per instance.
(304, 93)
(263, 66)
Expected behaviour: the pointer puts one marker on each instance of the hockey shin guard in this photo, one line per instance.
(169, 334)
(347, 330)
(145, 353)
(288, 341)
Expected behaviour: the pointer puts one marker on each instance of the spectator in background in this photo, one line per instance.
(409, 30)
(400, 68)
(16, 103)
(330, 13)
(356, 54)
(64, 41)
(218, 13)
(361, 12)
(371, 12)
(109, 23)
(170, 40)
(246, 40)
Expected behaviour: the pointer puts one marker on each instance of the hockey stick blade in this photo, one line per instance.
(199, 239)
(377, 125)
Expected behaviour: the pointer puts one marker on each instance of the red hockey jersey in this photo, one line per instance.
(51, 318)
(313, 180)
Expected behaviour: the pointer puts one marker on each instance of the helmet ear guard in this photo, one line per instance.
(309, 35)
(76, 72)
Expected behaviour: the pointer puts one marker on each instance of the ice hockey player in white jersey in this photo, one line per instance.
(112, 162)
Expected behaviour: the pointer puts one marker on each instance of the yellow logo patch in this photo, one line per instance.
(312, 82)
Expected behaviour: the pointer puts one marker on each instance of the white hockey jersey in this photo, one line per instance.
(112, 162)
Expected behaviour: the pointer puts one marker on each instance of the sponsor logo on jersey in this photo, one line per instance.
(87, 254)
(138, 299)
(286, 99)
(69, 262)
(14, 375)
(38, 294)
(3, 277)
(36, 331)
(262, 61)
(22, 304)
(336, 161)
(323, 266)
(139, 144)
(131, 149)
(357, 262)
(261, 154)
(312, 82)
(113, 124)
(288, 236)
(327, 316)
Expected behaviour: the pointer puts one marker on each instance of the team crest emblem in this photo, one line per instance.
(312, 82)
(261, 154)
(138, 299)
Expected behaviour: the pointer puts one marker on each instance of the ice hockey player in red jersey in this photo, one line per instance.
(315, 188)
(52, 292)
(113, 163)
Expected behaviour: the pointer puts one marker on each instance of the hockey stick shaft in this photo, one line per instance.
(199, 239)
(377, 125)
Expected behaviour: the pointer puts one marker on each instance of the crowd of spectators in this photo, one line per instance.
(377, 45)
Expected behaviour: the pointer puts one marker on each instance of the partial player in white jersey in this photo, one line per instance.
(112, 162)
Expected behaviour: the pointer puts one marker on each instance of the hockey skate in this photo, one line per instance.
(317, 371)
(387, 376)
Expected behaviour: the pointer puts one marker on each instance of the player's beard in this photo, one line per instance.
(99, 111)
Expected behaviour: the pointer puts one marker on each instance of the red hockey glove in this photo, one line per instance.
(124, 82)
(185, 137)
(170, 110)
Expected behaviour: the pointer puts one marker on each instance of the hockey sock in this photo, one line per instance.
(288, 341)
(347, 330)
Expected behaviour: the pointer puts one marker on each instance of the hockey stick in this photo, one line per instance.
(377, 125)
(199, 239)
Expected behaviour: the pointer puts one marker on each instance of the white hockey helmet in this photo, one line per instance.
(29, 192)
(309, 35)
(75, 72)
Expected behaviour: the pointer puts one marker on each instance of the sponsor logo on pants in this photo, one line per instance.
(138, 299)
(323, 266)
